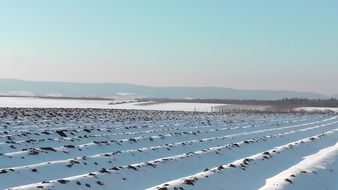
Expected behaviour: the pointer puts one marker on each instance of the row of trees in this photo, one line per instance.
(282, 103)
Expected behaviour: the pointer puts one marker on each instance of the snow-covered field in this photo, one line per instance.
(27, 102)
(22, 102)
(318, 109)
(168, 106)
(105, 149)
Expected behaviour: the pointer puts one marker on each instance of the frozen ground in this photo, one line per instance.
(104, 149)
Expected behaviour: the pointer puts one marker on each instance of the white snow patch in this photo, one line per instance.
(27, 102)
(318, 109)
(175, 106)
(318, 161)
(124, 94)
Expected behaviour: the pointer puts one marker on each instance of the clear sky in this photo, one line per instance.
(252, 44)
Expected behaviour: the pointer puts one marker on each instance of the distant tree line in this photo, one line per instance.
(281, 103)
(273, 111)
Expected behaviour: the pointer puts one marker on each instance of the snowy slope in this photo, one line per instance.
(316, 171)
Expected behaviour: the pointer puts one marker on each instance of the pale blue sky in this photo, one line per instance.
(253, 44)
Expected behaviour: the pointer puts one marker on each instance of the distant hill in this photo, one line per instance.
(55, 89)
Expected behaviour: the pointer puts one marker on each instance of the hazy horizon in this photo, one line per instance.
(254, 45)
(18, 89)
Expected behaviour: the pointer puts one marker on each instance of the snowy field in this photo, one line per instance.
(105, 149)
(318, 109)
(21, 102)
(170, 106)
(27, 102)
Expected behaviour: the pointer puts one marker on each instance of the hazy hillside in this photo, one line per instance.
(18, 87)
